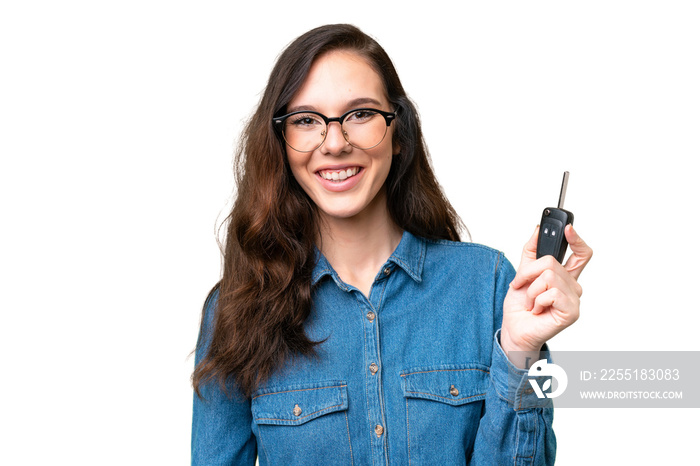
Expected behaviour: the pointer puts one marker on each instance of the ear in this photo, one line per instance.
(396, 148)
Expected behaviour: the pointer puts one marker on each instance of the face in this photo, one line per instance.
(343, 181)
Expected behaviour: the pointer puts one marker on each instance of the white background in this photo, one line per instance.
(118, 123)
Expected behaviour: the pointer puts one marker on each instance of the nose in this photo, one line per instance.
(335, 143)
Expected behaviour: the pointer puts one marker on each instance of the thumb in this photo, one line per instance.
(581, 252)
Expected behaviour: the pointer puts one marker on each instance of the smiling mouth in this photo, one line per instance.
(339, 175)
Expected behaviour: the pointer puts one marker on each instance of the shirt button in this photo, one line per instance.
(387, 270)
(297, 410)
(373, 368)
(454, 391)
(379, 430)
(371, 316)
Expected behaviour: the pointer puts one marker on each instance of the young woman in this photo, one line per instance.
(351, 326)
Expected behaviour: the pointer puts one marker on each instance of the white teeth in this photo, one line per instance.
(339, 175)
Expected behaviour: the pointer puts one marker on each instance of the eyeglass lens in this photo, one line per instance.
(363, 129)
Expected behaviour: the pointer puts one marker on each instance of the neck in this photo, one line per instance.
(358, 246)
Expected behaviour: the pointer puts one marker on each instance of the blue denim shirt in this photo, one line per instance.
(414, 374)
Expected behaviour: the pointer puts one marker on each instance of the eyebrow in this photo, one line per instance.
(354, 103)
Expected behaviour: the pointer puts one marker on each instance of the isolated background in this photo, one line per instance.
(118, 123)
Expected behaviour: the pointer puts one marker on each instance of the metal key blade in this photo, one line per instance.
(562, 193)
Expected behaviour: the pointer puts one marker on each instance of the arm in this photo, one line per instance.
(535, 304)
(516, 426)
(221, 422)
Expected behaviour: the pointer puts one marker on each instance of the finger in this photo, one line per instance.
(546, 300)
(529, 255)
(564, 309)
(530, 249)
(581, 252)
(552, 278)
(529, 271)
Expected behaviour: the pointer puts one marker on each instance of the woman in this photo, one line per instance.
(350, 325)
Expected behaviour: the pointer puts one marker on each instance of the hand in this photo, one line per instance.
(543, 298)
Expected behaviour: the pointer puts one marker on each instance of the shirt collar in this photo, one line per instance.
(409, 255)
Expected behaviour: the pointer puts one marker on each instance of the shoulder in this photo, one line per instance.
(465, 247)
(459, 253)
(208, 316)
(212, 298)
(467, 265)
(471, 274)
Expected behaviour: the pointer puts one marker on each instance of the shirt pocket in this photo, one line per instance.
(303, 424)
(443, 409)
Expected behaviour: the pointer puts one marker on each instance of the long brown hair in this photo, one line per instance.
(265, 293)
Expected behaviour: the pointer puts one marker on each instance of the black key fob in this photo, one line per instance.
(551, 240)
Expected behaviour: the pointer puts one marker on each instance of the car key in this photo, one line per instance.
(551, 240)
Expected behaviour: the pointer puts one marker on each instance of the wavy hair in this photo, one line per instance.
(265, 293)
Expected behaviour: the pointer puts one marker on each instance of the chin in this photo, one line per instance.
(340, 211)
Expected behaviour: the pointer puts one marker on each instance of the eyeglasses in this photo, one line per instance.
(363, 128)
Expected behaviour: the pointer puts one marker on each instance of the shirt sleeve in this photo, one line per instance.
(221, 422)
(516, 426)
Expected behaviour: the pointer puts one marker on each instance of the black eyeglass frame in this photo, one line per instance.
(279, 124)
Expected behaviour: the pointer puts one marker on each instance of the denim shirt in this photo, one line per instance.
(412, 374)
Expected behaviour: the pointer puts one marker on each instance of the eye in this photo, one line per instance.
(360, 116)
(304, 120)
